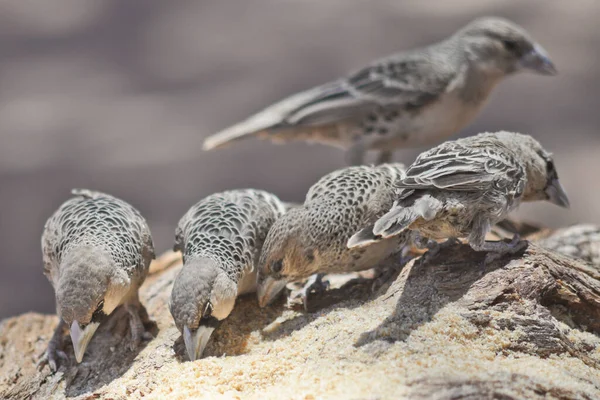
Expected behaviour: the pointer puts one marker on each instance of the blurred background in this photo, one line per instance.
(118, 96)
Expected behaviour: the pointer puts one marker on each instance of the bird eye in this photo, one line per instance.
(550, 167)
(98, 315)
(207, 310)
(277, 266)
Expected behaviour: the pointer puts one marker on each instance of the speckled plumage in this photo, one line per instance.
(312, 238)
(98, 220)
(404, 100)
(221, 238)
(228, 227)
(461, 188)
(96, 251)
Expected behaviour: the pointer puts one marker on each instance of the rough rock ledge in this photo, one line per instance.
(523, 327)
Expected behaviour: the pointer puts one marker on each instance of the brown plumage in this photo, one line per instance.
(312, 238)
(462, 188)
(97, 250)
(404, 100)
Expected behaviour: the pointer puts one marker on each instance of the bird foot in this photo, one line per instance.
(54, 354)
(315, 285)
(384, 275)
(135, 314)
(385, 271)
(434, 247)
(497, 250)
(136, 325)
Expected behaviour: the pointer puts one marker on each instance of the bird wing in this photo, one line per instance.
(405, 81)
(408, 82)
(51, 238)
(459, 167)
(231, 224)
(363, 182)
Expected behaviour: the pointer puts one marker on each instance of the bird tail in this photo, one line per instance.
(363, 238)
(270, 118)
(400, 218)
(250, 127)
(90, 194)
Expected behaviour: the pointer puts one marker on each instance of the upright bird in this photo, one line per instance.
(462, 188)
(221, 238)
(408, 99)
(96, 250)
(312, 238)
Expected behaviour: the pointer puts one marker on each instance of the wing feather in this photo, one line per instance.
(405, 81)
(457, 167)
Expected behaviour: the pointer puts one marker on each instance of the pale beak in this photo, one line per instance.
(195, 341)
(537, 60)
(269, 289)
(81, 337)
(557, 194)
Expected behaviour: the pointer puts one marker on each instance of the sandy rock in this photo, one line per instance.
(523, 327)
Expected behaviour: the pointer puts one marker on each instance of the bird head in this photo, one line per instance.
(288, 254)
(542, 178)
(88, 290)
(500, 47)
(203, 295)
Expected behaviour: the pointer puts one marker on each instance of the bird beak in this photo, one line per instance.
(557, 194)
(537, 60)
(269, 289)
(195, 341)
(81, 337)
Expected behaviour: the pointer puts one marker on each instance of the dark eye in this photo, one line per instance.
(98, 315)
(207, 310)
(550, 167)
(277, 266)
(510, 45)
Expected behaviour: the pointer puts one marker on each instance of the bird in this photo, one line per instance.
(96, 253)
(409, 99)
(461, 188)
(220, 238)
(311, 239)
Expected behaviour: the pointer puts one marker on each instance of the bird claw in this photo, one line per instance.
(515, 246)
(54, 353)
(51, 359)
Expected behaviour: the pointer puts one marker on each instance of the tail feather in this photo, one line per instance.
(363, 238)
(274, 116)
(395, 221)
(248, 128)
(400, 218)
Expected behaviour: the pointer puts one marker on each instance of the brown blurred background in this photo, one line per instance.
(118, 95)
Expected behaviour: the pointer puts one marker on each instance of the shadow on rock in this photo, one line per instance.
(107, 357)
(423, 288)
(233, 336)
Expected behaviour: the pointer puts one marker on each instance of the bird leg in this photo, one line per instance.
(137, 316)
(115, 323)
(386, 270)
(385, 156)
(481, 227)
(433, 247)
(136, 323)
(355, 155)
(55, 351)
(498, 249)
(314, 284)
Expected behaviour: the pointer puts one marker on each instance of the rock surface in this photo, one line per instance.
(523, 327)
